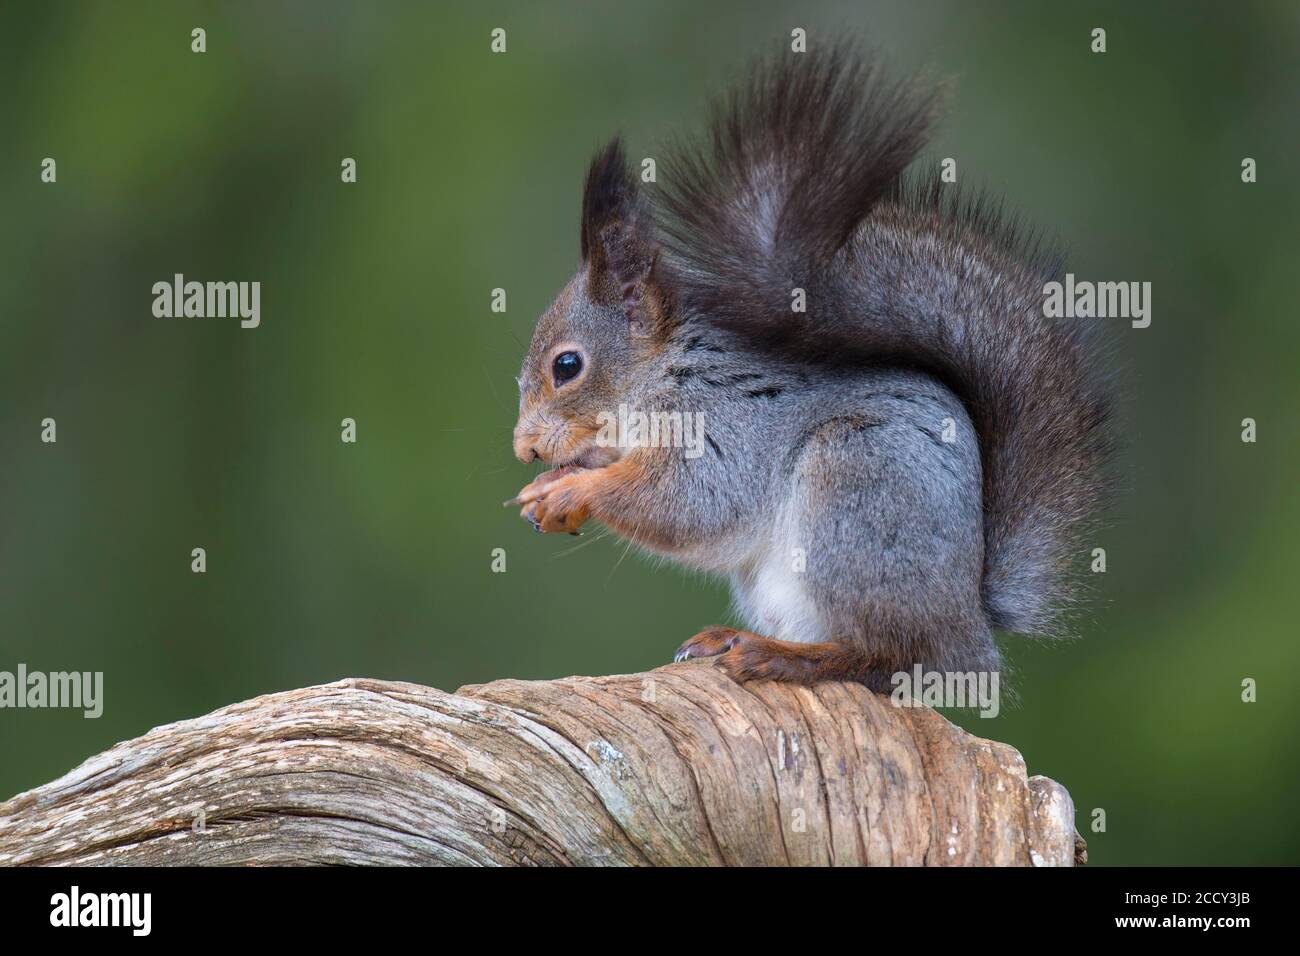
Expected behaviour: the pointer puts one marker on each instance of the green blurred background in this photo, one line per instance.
(328, 560)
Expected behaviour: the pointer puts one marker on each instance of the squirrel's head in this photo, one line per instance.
(589, 344)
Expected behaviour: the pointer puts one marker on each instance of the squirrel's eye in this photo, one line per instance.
(566, 366)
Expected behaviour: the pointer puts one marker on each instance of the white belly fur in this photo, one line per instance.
(771, 596)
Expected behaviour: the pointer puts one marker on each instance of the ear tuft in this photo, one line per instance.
(618, 245)
(608, 197)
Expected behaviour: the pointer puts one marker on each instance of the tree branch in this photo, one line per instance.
(676, 766)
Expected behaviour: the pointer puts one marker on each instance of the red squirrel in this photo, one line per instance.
(887, 473)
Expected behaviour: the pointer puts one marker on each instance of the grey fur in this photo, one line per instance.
(826, 429)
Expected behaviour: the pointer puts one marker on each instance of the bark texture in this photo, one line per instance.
(678, 766)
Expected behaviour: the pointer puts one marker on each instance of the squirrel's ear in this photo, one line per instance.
(630, 279)
(618, 246)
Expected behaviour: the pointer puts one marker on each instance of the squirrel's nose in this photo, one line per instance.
(525, 450)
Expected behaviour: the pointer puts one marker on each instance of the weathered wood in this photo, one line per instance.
(676, 766)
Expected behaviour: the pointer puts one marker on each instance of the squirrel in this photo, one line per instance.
(889, 473)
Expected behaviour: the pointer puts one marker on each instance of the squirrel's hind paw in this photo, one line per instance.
(746, 656)
(711, 642)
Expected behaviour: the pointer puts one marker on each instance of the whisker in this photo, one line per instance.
(577, 547)
(492, 387)
(630, 539)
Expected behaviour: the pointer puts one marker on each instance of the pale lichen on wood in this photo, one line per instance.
(678, 766)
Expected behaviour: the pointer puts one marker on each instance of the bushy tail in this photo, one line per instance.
(775, 200)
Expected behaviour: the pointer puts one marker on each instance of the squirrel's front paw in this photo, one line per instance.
(555, 502)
